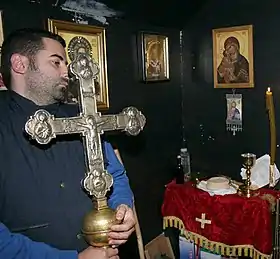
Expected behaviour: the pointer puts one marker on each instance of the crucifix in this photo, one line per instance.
(203, 220)
(43, 127)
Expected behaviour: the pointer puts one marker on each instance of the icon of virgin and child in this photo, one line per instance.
(234, 67)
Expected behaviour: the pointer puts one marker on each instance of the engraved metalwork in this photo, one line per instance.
(43, 127)
(40, 127)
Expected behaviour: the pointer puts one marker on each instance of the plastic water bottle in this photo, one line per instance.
(180, 175)
(185, 161)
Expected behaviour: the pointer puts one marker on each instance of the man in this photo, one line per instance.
(41, 200)
(234, 67)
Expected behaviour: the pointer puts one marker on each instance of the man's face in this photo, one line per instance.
(232, 53)
(49, 78)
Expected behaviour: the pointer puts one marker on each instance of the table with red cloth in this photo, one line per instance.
(232, 225)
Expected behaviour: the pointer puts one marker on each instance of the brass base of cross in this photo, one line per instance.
(97, 223)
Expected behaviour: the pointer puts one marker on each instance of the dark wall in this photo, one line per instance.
(149, 157)
(214, 150)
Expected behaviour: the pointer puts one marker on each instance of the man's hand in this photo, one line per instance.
(99, 253)
(121, 232)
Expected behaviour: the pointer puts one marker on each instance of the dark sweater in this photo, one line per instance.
(40, 185)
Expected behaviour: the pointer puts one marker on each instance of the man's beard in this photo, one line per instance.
(44, 89)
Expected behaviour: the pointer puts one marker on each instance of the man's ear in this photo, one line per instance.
(19, 63)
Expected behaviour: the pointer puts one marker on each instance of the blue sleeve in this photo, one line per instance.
(121, 193)
(17, 246)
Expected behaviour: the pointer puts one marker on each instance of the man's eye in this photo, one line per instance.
(56, 62)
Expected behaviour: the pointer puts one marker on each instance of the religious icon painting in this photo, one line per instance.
(82, 38)
(2, 86)
(154, 57)
(234, 112)
(233, 57)
(1, 31)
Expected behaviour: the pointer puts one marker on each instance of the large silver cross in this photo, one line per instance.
(43, 126)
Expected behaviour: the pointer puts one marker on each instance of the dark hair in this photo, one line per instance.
(27, 42)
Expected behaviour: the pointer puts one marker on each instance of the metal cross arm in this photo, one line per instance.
(129, 120)
(43, 127)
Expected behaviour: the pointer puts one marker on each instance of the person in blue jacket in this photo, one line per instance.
(42, 202)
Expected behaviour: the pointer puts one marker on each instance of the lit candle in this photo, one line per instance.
(270, 108)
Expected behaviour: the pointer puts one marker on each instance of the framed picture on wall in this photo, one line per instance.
(233, 61)
(81, 38)
(154, 57)
(1, 32)
(2, 86)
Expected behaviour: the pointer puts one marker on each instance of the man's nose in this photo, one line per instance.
(65, 76)
(64, 72)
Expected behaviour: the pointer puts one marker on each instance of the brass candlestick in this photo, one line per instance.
(249, 161)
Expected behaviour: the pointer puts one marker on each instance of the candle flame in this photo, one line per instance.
(268, 89)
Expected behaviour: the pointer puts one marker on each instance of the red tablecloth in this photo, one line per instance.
(236, 225)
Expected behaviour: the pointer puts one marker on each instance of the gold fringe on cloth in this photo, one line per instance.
(215, 247)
